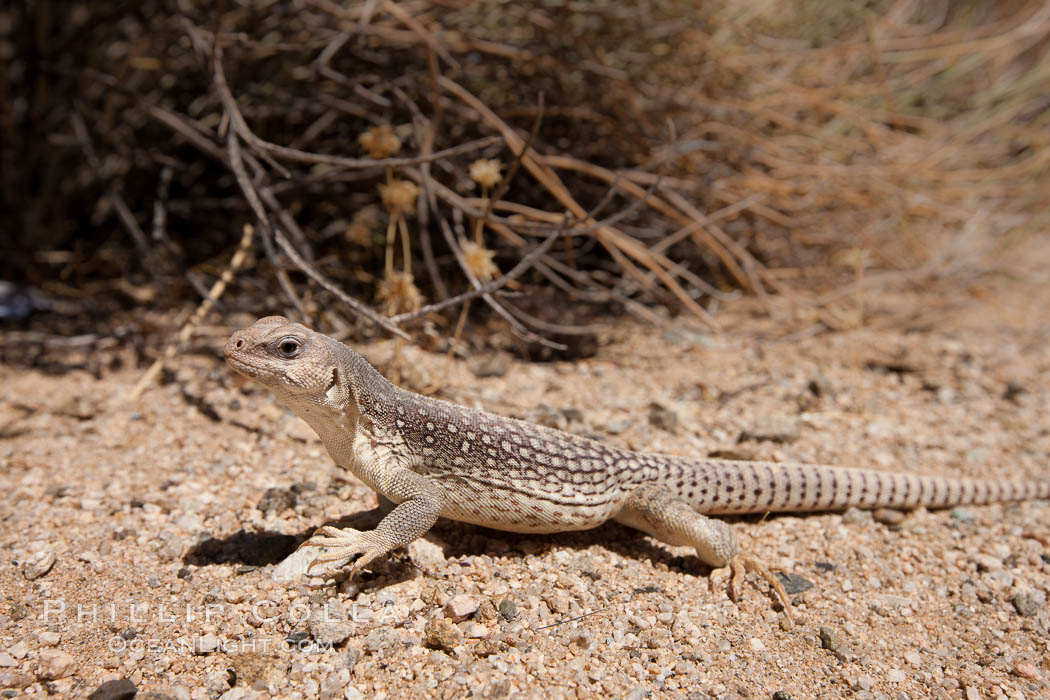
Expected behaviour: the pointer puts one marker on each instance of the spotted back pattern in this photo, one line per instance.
(533, 478)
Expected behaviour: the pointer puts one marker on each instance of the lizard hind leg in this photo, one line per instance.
(661, 513)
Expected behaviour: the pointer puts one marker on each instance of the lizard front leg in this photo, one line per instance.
(662, 514)
(420, 502)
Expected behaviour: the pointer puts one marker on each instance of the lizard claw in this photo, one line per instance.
(736, 569)
(348, 543)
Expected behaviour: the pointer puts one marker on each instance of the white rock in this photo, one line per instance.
(986, 562)
(49, 639)
(39, 566)
(461, 606)
(474, 630)
(293, 568)
(427, 555)
(55, 664)
(88, 556)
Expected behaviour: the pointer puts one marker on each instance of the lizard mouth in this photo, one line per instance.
(243, 367)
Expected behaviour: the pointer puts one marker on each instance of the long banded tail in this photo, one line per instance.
(730, 486)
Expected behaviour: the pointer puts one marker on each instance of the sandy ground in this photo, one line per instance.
(138, 539)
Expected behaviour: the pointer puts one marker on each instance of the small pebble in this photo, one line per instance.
(461, 606)
(474, 630)
(1029, 603)
(772, 428)
(986, 562)
(55, 664)
(757, 644)
(330, 688)
(49, 639)
(440, 633)
(39, 566)
(618, 425)
(330, 631)
(19, 611)
(1013, 391)
(487, 647)
(889, 516)
(1027, 671)
(508, 609)
(1003, 579)
(793, 583)
(122, 689)
(895, 675)
(820, 385)
(856, 516)
(663, 418)
(15, 680)
(830, 640)
(493, 364)
(637, 693)
(275, 500)
(427, 555)
(582, 638)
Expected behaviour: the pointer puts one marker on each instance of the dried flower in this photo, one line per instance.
(363, 226)
(380, 141)
(479, 260)
(399, 196)
(398, 291)
(485, 171)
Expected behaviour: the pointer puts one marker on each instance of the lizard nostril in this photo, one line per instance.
(239, 345)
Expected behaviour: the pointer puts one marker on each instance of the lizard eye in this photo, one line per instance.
(288, 347)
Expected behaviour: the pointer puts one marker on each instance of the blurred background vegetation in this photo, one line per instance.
(797, 151)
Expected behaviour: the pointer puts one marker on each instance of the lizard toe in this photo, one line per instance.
(346, 544)
(736, 571)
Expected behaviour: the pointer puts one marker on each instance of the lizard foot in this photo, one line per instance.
(348, 543)
(738, 566)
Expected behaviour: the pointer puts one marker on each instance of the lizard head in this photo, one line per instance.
(303, 368)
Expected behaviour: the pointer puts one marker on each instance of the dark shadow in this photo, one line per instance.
(249, 548)
(459, 539)
(262, 548)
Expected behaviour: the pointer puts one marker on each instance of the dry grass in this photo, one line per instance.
(798, 152)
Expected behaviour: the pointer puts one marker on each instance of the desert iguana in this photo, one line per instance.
(433, 458)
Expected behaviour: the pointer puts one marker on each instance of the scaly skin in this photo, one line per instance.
(433, 458)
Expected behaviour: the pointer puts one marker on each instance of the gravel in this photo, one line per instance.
(111, 509)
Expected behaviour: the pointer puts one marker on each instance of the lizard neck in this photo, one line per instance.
(359, 397)
(336, 428)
